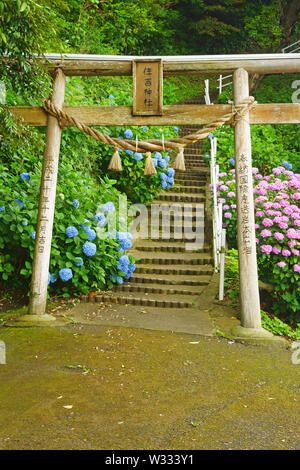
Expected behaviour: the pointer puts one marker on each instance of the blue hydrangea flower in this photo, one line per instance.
(123, 264)
(162, 163)
(131, 269)
(111, 104)
(111, 97)
(157, 134)
(170, 172)
(101, 219)
(170, 180)
(129, 152)
(232, 161)
(137, 156)
(49, 278)
(125, 239)
(206, 156)
(210, 136)
(119, 279)
(85, 228)
(19, 202)
(163, 176)
(65, 274)
(128, 134)
(25, 176)
(78, 261)
(33, 235)
(167, 158)
(157, 155)
(53, 279)
(91, 235)
(71, 232)
(2, 208)
(285, 164)
(76, 203)
(290, 166)
(163, 184)
(169, 186)
(176, 129)
(89, 249)
(154, 161)
(144, 128)
(108, 207)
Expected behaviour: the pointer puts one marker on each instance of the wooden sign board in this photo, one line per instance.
(147, 87)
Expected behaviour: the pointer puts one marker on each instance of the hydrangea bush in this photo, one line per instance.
(80, 260)
(277, 218)
(131, 180)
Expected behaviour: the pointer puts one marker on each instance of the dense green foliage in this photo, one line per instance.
(137, 27)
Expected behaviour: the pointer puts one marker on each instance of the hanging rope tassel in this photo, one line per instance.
(179, 161)
(115, 163)
(149, 167)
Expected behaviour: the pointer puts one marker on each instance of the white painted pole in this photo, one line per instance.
(222, 265)
(249, 292)
(39, 282)
(220, 84)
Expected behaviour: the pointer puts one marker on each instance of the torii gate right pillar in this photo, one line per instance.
(249, 292)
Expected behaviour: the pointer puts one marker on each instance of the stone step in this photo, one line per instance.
(157, 258)
(189, 189)
(151, 288)
(174, 269)
(190, 182)
(153, 300)
(169, 247)
(182, 197)
(176, 279)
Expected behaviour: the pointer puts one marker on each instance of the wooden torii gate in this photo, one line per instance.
(90, 65)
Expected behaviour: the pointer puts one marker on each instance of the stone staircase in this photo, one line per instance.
(168, 275)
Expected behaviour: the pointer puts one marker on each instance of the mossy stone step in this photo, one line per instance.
(182, 197)
(175, 279)
(174, 269)
(171, 259)
(169, 247)
(150, 300)
(151, 288)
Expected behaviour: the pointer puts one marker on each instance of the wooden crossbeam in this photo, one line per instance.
(73, 64)
(282, 113)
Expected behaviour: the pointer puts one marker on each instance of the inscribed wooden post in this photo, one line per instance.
(249, 292)
(147, 87)
(39, 282)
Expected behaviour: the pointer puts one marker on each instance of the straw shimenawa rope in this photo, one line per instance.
(152, 145)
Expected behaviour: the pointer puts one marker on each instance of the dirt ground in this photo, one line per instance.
(111, 387)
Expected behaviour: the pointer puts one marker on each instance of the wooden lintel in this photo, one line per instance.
(281, 113)
(196, 67)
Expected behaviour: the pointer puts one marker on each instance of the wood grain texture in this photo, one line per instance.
(209, 66)
(282, 113)
(41, 260)
(249, 292)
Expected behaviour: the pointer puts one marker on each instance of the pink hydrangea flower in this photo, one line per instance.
(296, 268)
(231, 194)
(276, 250)
(295, 252)
(267, 249)
(227, 215)
(281, 264)
(267, 222)
(266, 233)
(278, 236)
(286, 253)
